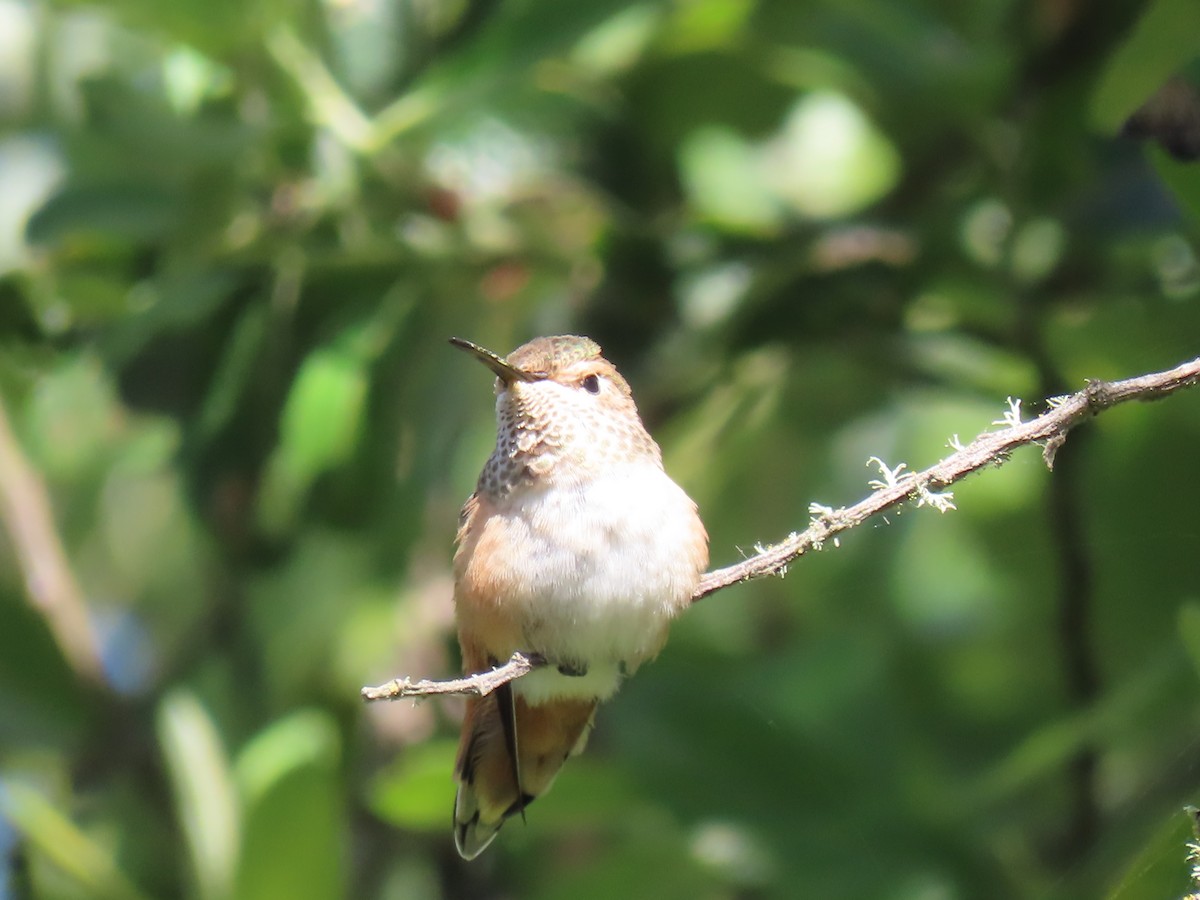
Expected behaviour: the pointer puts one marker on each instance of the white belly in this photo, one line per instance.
(603, 566)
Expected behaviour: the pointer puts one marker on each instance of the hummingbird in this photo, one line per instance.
(575, 546)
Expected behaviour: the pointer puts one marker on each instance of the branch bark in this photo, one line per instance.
(49, 582)
(1050, 430)
(991, 448)
(480, 683)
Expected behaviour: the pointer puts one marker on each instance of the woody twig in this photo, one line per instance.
(50, 585)
(479, 683)
(991, 448)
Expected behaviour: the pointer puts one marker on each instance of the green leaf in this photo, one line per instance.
(1166, 37)
(1189, 630)
(319, 430)
(52, 834)
(1182, 178)
(134, 211)
(725, 183)
(1047, 749)
(215, 25)
(294, 820)
(233, 373)
(829, 159)
(303, 739)
(204, 793)
(416, 790)
(1160, 869)
(321, 418)
(38, 691)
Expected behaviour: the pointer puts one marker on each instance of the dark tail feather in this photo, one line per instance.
(509, 755)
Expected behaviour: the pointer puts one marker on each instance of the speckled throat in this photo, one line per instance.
(563, 414)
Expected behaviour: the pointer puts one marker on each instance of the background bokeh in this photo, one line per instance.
(234, 237)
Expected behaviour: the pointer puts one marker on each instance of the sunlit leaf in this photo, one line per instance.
(723, 175)
(54, 835)
(829, 159)
(1161, 868)
(134, 211)
(205, 798)
(294, 818)
(318, 430)
(1166, 37)
(1189, 630)
(301, 740)
(416, 791)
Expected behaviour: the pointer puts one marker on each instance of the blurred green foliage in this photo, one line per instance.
(234, 237)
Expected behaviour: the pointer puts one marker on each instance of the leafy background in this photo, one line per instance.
(234, 237)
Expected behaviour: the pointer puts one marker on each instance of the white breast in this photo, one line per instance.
(604, 566)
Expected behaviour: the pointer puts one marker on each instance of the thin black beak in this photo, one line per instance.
(506, 373)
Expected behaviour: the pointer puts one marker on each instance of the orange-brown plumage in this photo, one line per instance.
(576, 546)
(547, 734)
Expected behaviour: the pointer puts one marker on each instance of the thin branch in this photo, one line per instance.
(1050, 430)
(480, 684)
(331, 107)
(992, 448)
(49, 582)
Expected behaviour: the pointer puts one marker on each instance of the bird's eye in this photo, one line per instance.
(591, 384)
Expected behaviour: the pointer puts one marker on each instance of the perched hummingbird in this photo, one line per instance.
(576, 546)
